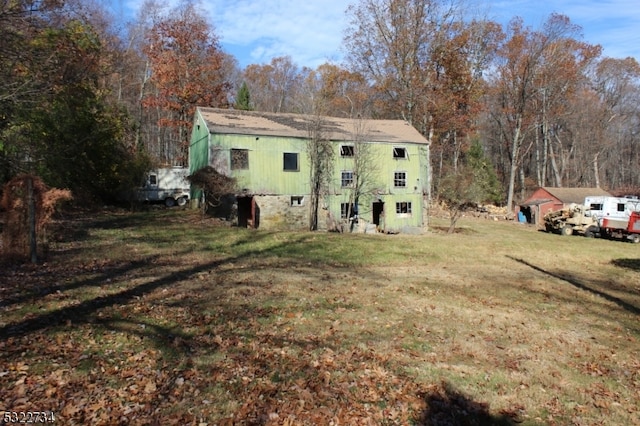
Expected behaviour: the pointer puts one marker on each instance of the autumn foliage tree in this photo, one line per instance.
(391, 43)
(471, 183)
(425, 63)
(343, 92)
(29, 206)
(273, 86)
(56, 123)
(527, 63)
(186, 63)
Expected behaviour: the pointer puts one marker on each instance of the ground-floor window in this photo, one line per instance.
(403, 207)
(347, 210)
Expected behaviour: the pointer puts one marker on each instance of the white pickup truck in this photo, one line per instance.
(168, 185)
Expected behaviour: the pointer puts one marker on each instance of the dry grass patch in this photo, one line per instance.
(165, 318)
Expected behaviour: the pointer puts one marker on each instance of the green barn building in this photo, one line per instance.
(267, 154)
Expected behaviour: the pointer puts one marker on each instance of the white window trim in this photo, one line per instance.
(342, 185)
(406, 153)
(406, 178)
(297, 201)
(409, 208)
(353, 150)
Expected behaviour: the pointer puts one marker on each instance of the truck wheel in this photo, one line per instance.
(591, 232)
(182, 201)
(566, 230)
(635, 238)
(169, 202)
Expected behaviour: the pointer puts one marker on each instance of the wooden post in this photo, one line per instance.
(33, 248)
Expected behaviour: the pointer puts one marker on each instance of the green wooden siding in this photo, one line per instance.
(265, 174)
(199, 147)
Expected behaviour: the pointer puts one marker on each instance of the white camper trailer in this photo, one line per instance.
(613, 209)
(167, 185)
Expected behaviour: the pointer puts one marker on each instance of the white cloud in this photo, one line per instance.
(311, 31)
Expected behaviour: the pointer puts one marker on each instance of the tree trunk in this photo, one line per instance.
(596, 172)
(513, 169)
(554, 166)
(33, 247)
(541, 154)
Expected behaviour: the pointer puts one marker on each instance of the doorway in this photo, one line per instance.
(248, 212)
(377, 210)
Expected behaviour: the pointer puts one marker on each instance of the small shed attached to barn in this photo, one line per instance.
(546, 199)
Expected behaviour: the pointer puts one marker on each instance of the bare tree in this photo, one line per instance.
(364, 182)
(391, 42)
(321, 156)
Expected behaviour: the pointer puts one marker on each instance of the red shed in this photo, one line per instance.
(546, 199)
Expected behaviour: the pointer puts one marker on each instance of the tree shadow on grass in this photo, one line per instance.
(35, 289)
(576, 283)
(633, 264)
(446, 406)
(83, 312)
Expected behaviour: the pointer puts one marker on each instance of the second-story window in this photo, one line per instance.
(347, 151)
(346, 179)
(399, 152)
(291, 162)
(239, 159)
(400, 179)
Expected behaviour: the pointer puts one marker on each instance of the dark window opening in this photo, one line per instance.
(153, 179)
(595, 207)
(291, 161)
(403, 208)
(347, 151)
(239, 159)
(348, 211)
(620, 207)
(297, 200)
(399, 153)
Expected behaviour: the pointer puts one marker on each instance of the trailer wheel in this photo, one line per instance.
(169, 202)
(635, 238)
(182, 201)
(566, 230)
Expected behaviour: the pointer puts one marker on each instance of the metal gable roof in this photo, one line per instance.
(226, 121)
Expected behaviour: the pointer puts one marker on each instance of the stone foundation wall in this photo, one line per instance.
(277, 213)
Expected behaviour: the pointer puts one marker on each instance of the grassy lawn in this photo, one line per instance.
(162, 318)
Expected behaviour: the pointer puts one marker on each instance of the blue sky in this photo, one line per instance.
(310, 31)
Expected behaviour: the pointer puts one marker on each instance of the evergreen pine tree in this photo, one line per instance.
(243, 101)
